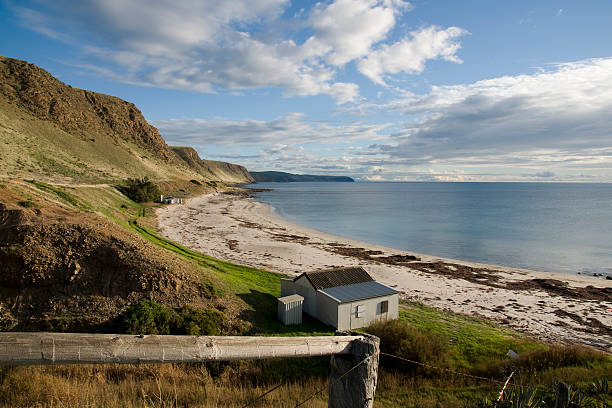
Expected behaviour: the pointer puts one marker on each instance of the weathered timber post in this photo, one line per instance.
(562, 400)
(355, 389)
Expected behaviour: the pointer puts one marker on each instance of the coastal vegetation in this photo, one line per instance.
(149, 317)
(141, 190)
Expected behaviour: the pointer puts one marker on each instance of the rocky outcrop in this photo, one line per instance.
(218, 170)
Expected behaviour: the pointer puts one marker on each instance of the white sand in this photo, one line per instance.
(243, 231)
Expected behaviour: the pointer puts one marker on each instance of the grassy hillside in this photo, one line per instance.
(51, 131)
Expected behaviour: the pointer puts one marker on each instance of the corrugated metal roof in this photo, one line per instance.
(290, 298)
(337, 277)
(358, 291)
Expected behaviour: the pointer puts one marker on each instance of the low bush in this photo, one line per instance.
(557, 356)
(149, 317)
(28, 204)
(200, 322)
(400, 338)
(141, 190)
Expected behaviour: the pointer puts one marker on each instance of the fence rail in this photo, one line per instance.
(354, 358)
(77, 348)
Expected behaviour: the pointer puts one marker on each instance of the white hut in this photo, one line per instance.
(171, 200)
(346, 298)
(290, 309)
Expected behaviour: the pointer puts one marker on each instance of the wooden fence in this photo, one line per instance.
(354, 361)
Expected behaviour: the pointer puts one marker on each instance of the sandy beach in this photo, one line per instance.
(552, 306)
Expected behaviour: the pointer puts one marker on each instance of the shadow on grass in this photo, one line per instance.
(265, 319)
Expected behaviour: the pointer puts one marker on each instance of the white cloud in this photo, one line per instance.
(210, 46)
(349, 28)
(285, 130)
(410, 54)
(158, 27)
(559, 116)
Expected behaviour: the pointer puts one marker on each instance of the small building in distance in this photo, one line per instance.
(170, 200)
(346, 298)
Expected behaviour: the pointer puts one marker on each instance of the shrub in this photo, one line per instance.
(148, 317)
(141, 190)
(400, 338)
(27, 204)
(196, 182)
(201, 322)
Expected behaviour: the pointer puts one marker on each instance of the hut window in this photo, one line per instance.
(359, 310)
(384, 306)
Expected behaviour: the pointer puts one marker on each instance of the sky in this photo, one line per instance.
(380, 90)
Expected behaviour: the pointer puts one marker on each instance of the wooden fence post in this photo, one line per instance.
(355, 389)
(562, 400)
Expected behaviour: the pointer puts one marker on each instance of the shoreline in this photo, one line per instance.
(555, 306)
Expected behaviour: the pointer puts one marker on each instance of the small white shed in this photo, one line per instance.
(290, 309)
(346, 298)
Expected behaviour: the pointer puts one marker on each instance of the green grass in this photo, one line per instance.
(28, 204)
(474, 342)
(240, 278)
(63, 195)
(257, 287)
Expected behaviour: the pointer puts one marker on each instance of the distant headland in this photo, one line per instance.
(281, 177)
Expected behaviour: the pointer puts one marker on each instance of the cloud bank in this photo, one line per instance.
(558, 116)
(554, 124)
(211, 46)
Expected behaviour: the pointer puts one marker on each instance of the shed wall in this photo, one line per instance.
(305, 289)
(287, 287)
(327, 309)
(347, 314)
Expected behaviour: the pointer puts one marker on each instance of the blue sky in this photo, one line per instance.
(378, 90)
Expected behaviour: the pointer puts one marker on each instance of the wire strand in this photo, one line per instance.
(262, 395)
(331, 384)
(447, 369)
(248, 404)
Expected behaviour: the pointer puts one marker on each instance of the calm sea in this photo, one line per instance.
(542, 226)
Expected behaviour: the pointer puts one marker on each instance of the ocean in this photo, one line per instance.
(549, 227)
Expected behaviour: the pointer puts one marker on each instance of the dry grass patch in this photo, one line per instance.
(167, 385)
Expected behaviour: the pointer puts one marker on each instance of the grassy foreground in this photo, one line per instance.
(450, 345)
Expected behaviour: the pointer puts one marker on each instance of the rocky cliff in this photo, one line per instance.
(219, 170)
